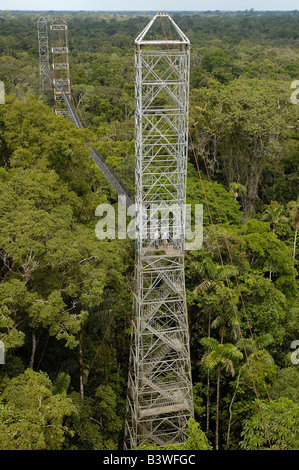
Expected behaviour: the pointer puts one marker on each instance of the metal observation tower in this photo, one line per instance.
(60, 64)
(159, 399)
(43, 49)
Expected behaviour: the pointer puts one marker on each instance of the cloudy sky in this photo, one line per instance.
(153, 5)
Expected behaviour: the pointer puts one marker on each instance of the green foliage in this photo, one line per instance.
(286, 384)
(61, 383)
(242, 131)
(221, 356)
(268, 253)
(198, 403)
(196, 440)
(96, 424)
(214, 197)
(54, 266)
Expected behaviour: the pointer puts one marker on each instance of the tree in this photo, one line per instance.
(66, 298)
(261, 245)
(213, 284)
(11, 70)
(253, 371)
(31, 417)
(278, 423)
(286, 384)
(238, 189)
(220, 357)
(196, 440)
(294, 214)
(242, 130)
(274, 214)
(61, 383)
(97, 423)
(54, 268)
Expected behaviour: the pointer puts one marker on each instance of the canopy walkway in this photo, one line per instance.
(111, 175)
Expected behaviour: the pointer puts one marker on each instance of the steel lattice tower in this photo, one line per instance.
(60, 64)
(159, 399)
(43, 47)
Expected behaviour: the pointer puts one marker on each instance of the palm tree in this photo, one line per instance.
(214, 275)
(61, 383)
(294, 214)
(227, 318)
(219, 357)
(237, 189)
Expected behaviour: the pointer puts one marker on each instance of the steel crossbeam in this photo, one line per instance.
(60, 64)
(43, 46)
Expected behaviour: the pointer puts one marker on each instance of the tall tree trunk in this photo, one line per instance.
(81, 364)
(295, 239)
(208, 382)
(252, 190)
(32, 351)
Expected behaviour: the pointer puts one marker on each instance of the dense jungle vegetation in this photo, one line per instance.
(66, 297)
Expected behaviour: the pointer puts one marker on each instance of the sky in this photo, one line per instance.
(149, 5)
